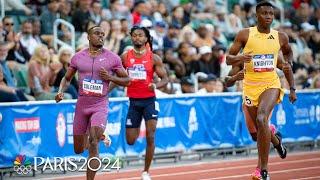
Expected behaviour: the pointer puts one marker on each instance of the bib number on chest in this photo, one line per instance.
(137, 72)
(263, 63)
(92, 87)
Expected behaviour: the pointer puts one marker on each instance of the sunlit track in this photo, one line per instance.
(298, 166)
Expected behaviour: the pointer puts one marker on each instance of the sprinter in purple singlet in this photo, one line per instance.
(96, 67)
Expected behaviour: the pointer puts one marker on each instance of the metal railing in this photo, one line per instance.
(2, 9)
(196, 77)
(57, 41)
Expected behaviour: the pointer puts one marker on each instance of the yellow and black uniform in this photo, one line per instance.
(260, 72)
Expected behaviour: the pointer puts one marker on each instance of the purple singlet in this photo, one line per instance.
(91, 108)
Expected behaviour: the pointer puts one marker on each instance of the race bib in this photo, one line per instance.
(92, 87)
(137, 72)
(263, 62)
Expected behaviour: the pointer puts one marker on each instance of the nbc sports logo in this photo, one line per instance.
(22, 165)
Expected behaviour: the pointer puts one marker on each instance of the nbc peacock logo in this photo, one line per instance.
(22, 165)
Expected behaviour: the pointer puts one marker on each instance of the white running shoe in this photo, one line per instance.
(106, 139)
(145, 176)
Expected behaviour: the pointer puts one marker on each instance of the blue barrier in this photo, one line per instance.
(187, 122)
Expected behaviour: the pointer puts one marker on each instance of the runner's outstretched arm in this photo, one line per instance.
(65, 82)
(161, 72)
(121, 78)
(287, 66)
(233, 58)
(235, 74)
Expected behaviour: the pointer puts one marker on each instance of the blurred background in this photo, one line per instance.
(38, 38)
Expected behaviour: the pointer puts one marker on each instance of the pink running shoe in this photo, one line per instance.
(272, 128)
(256, 175)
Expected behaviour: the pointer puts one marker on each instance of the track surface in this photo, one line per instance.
(298, 166)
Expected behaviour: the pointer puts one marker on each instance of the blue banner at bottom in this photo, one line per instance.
(185, 123)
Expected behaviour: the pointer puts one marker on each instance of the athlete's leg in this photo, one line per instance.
(267, 101)
(95, 134)
(250, 114)
(97, 127)
(150, 131)
(132, 135)
(80, 143)
(133, 122)
(151, 114)
(80, 134)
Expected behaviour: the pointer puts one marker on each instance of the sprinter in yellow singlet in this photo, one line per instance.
(261, 86)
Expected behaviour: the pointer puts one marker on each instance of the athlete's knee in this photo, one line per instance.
(78, 150)
(131, 140)
(93, 142)
(150, 139)
(262, 117)
(254, 136)
(132, 135)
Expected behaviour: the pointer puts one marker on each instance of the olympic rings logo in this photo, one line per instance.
(22, 169)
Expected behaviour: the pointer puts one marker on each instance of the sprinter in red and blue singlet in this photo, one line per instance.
(141, 63)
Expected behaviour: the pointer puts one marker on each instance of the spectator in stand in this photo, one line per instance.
(7, 93)
(208, 63)
(36, 31)
(138, 11)
(316, 82)
(7, 75)
(42, 74)
(16, 7)
(174, 63)
(26, 38)
(119, 10)
(115, 36)
(9, 34)
(187, 85)
(65, 11)
(2, 32)
(204, 37)
(96, 12)
(81, 15)
(124, 26)
(48, 17)
(65, 54)
(208, 84)
(234, 19)
(159, 34)
(188, 55)
(316, 19)
(177, 16)
(171, 40)
(7, 80)
(161, 12)
(187, 35)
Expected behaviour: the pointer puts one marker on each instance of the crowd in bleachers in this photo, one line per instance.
(191, 36)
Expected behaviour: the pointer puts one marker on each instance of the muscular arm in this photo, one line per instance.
(66, 79)
(288, 58)
(161, 71)
(238, 44)
(122, 78)
(233, 75)
(112, 85)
